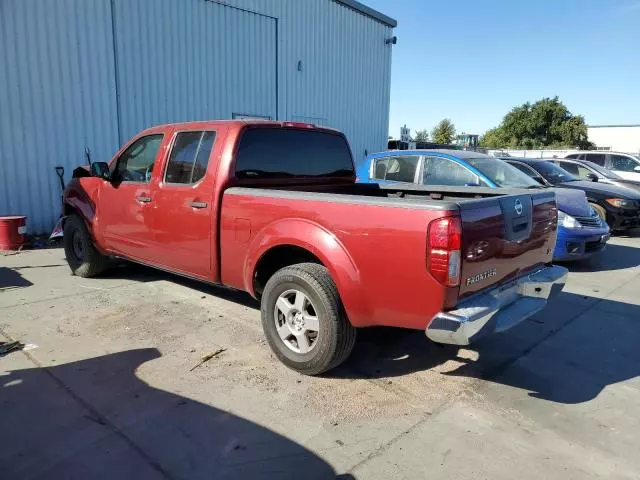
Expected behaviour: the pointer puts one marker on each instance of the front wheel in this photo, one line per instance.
(82, 256)
(304, 320)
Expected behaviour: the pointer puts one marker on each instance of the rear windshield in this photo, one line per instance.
(292, 153)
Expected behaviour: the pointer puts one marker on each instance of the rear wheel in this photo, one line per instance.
(82, 256)
(304, 320)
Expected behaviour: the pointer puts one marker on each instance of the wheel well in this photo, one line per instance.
(69, 210)
(277, 258)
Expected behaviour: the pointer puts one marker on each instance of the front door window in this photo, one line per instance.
(136, 163)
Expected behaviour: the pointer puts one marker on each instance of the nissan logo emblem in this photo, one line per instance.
(518, 207)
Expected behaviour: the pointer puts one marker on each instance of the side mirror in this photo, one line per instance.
(100, 170)
(637, 169)
(592, 177)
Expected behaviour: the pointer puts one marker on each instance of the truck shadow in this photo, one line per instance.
(11, 278)
(567, 354)
(141, 273)
(95, 418)
(615, 257)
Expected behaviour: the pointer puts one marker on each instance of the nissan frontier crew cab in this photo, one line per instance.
(272, 208)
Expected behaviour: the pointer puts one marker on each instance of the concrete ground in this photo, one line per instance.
(110, 392)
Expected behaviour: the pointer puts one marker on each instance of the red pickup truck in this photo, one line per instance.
(272, 208)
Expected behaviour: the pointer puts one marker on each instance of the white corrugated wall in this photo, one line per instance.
(91, 73)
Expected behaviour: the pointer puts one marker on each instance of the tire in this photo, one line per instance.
(83, 258)
(335, 336)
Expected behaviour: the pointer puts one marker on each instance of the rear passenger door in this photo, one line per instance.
(184, 209)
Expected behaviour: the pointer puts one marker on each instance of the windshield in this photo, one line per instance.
(602, 171)
(501, 173)
(552, 173)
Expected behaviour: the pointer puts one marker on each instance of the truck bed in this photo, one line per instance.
(383, 230)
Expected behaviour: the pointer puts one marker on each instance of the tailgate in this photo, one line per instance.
(504, 236)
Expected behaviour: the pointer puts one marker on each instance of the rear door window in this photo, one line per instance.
(286, 153)
(622, 163)
(398, 169)
(442, 171)
(189, 157)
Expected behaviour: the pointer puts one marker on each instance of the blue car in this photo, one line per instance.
(581, 232)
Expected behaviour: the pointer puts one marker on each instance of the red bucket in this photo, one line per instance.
(13, 232)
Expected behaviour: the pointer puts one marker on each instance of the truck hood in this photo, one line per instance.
(572, 202)
(602, 188)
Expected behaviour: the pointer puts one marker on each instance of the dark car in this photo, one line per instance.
(592, 172)
(619, 206)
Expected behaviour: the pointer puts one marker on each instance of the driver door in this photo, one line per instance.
(125, 204)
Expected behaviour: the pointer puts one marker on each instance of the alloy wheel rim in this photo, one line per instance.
(296, 321)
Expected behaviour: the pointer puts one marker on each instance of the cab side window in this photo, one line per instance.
(136, 162)
(189, 157)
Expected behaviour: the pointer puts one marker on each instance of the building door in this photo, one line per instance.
(192, 60)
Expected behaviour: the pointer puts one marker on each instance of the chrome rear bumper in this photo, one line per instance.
(499, 309)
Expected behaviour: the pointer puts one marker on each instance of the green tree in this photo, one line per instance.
(546, 123)
(494, 138)
(444, 131)
(421, 136)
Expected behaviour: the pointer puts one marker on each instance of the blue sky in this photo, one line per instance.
(474, 60)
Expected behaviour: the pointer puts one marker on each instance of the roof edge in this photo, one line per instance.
(369, 12)
(617, 126)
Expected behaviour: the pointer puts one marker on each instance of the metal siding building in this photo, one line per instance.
(82, 74)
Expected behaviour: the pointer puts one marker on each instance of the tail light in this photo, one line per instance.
(443, 250)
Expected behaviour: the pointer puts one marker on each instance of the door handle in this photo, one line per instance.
(144, 199)
(198, 204)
